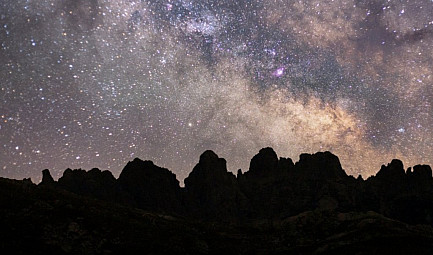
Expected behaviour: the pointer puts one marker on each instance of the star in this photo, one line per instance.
(278, 72)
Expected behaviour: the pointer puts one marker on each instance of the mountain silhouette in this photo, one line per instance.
(276, 207)
(272, 188)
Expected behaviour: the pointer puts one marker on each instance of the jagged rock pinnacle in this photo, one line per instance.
(47, 179)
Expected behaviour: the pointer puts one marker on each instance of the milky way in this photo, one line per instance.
(96, 83)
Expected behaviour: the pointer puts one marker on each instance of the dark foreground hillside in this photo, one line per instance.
(277, 207)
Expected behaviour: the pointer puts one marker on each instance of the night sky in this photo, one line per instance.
(96, 83)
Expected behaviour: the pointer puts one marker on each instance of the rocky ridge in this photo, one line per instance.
(273, 188)
(277, 207)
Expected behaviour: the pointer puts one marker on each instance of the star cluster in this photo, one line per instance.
(96, 83)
